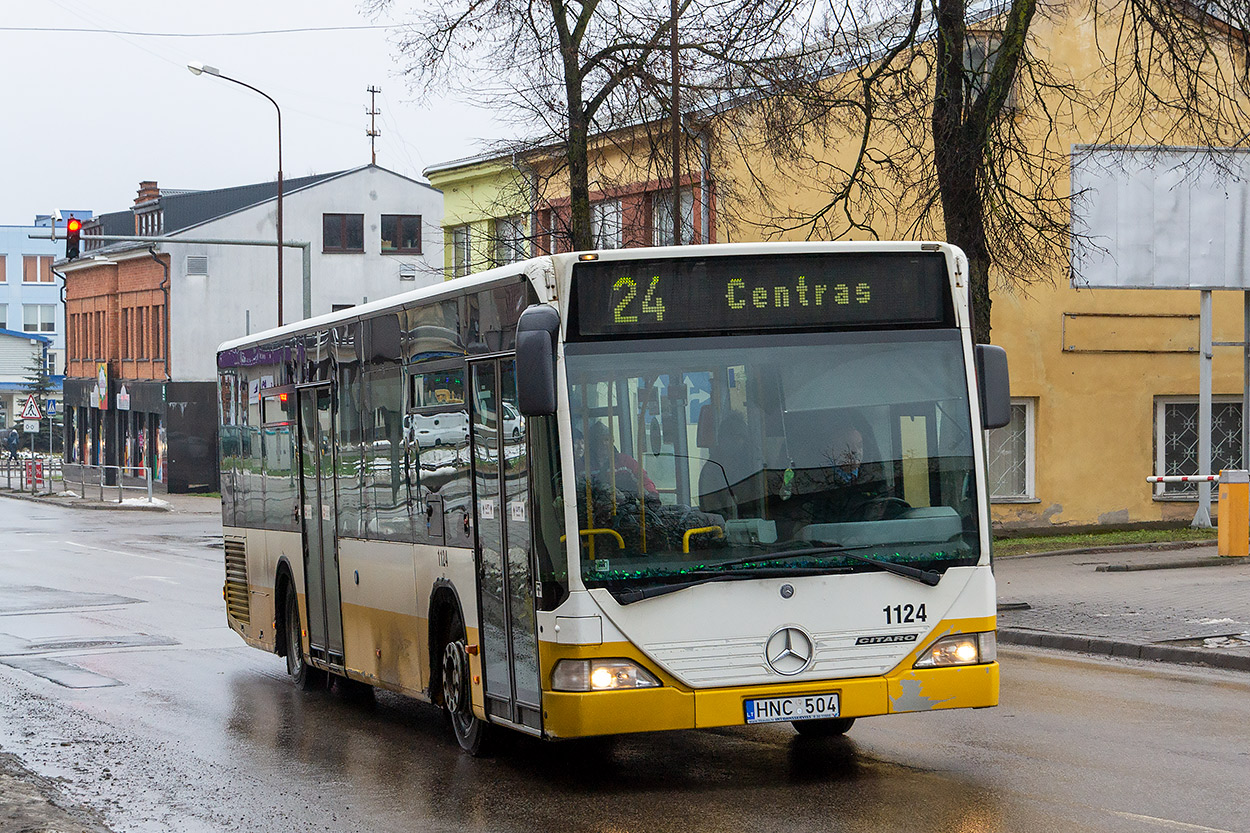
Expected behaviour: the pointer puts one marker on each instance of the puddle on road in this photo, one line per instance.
(61, 673)
(32, 598)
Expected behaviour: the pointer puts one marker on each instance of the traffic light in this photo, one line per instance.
(73, 229)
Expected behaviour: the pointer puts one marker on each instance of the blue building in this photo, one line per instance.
(30, 298)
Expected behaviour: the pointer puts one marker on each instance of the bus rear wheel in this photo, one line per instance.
(306, 677)
(472, 734)
(827, 727)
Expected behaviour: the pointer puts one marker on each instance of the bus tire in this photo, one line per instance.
(473, 734)
(306, 677)
(826, 727)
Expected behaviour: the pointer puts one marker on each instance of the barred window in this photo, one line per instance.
(1011, 455)
(1176, 441)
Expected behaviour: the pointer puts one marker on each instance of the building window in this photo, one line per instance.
(36, 269)
(4, 316)
(1176, 440)
(980, 53)
(401, 233)
(511, 244)
(605, 224)
(460, 251)
(1011, 456)
(38, 318)
(4, 261)
(124, 335)
(342, 232)
(662, 217)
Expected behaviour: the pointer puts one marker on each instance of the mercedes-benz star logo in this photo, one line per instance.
(789, 651)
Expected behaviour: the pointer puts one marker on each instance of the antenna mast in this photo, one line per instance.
(372, 131)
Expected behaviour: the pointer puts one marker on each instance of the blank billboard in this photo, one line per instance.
(1150, 218)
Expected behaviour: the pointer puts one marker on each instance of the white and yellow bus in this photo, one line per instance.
(627, 491)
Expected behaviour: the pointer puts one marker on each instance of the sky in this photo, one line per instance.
(85, 116)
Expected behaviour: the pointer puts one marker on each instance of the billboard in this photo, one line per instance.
(1160, 218)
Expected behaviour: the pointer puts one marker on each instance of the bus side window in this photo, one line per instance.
(436, 429)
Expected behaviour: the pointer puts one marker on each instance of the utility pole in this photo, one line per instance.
(372, 132)
(676, 132)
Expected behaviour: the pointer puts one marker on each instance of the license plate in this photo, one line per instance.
(781, 709)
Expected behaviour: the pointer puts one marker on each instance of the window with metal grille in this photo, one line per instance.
(1011, 457)
(1176, 440)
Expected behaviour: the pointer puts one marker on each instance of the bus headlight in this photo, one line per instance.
(961, 649)
(600, 675)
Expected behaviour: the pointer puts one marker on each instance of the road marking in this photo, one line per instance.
(162, 560)
(1177, 825)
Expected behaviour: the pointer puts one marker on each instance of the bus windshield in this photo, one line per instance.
(770, 455)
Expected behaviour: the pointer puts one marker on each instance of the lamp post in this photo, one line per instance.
(197, 69)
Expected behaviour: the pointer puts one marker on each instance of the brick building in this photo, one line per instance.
(144, 319)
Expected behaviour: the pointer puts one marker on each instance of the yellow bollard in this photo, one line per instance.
(1234, 513)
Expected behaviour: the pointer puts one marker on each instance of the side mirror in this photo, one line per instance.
(536, 332)
(993, 385)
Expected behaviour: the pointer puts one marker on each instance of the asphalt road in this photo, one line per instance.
(120, 683)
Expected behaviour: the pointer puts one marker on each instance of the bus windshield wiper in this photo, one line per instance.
(696, 577)
(928, 577)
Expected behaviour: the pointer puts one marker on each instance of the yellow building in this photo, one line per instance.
(1104, 382)
(487, 217)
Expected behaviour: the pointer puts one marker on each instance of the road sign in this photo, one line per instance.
(51, 407)
(31, 409)
(30, 426)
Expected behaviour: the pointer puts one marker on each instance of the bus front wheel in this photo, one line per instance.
(305, 676)
(472, 734)
(826, 727)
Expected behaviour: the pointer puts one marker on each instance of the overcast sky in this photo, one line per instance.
(86, 116)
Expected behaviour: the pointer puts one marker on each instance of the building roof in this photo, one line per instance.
(189, 208)
(27, 336)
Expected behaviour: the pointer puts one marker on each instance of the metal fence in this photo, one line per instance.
(97, 476)
(40, 474)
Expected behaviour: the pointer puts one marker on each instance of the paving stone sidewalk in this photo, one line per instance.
(1185, 605)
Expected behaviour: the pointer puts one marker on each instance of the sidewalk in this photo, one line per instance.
(1184, 604)
(133, 500)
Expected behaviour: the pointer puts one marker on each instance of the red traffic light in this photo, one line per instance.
(73, 231)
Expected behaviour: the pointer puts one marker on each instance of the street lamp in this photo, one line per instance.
(197, 69)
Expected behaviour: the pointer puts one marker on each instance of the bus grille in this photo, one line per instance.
(236, 580)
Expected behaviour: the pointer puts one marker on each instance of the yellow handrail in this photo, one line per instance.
(620, 542)
(685, 539)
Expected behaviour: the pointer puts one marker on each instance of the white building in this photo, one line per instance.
(151, 314)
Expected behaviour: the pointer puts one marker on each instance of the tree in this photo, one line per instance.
(959, 124)
(38, 383)
(565, 71)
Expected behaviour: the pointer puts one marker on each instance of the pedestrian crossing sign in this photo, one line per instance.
(31, 409)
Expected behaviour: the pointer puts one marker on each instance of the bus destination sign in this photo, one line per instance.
(625, 298)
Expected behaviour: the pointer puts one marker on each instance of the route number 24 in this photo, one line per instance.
(904, 614)
(651, 303)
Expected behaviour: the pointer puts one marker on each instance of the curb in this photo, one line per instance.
(1211, 561)
(79, 503)
(1121, 648)
(1156, 546)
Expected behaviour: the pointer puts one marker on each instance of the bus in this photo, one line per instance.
(626, 491)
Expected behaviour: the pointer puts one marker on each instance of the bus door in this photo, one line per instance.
(507, 626)
(321, 572)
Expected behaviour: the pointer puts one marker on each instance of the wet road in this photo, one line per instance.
(118, 676)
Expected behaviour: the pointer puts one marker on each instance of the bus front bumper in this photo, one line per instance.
(569, 715)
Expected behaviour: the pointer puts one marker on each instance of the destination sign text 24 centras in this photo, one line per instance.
(764, 292)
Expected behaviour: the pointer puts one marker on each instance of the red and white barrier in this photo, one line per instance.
(1184, 478)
